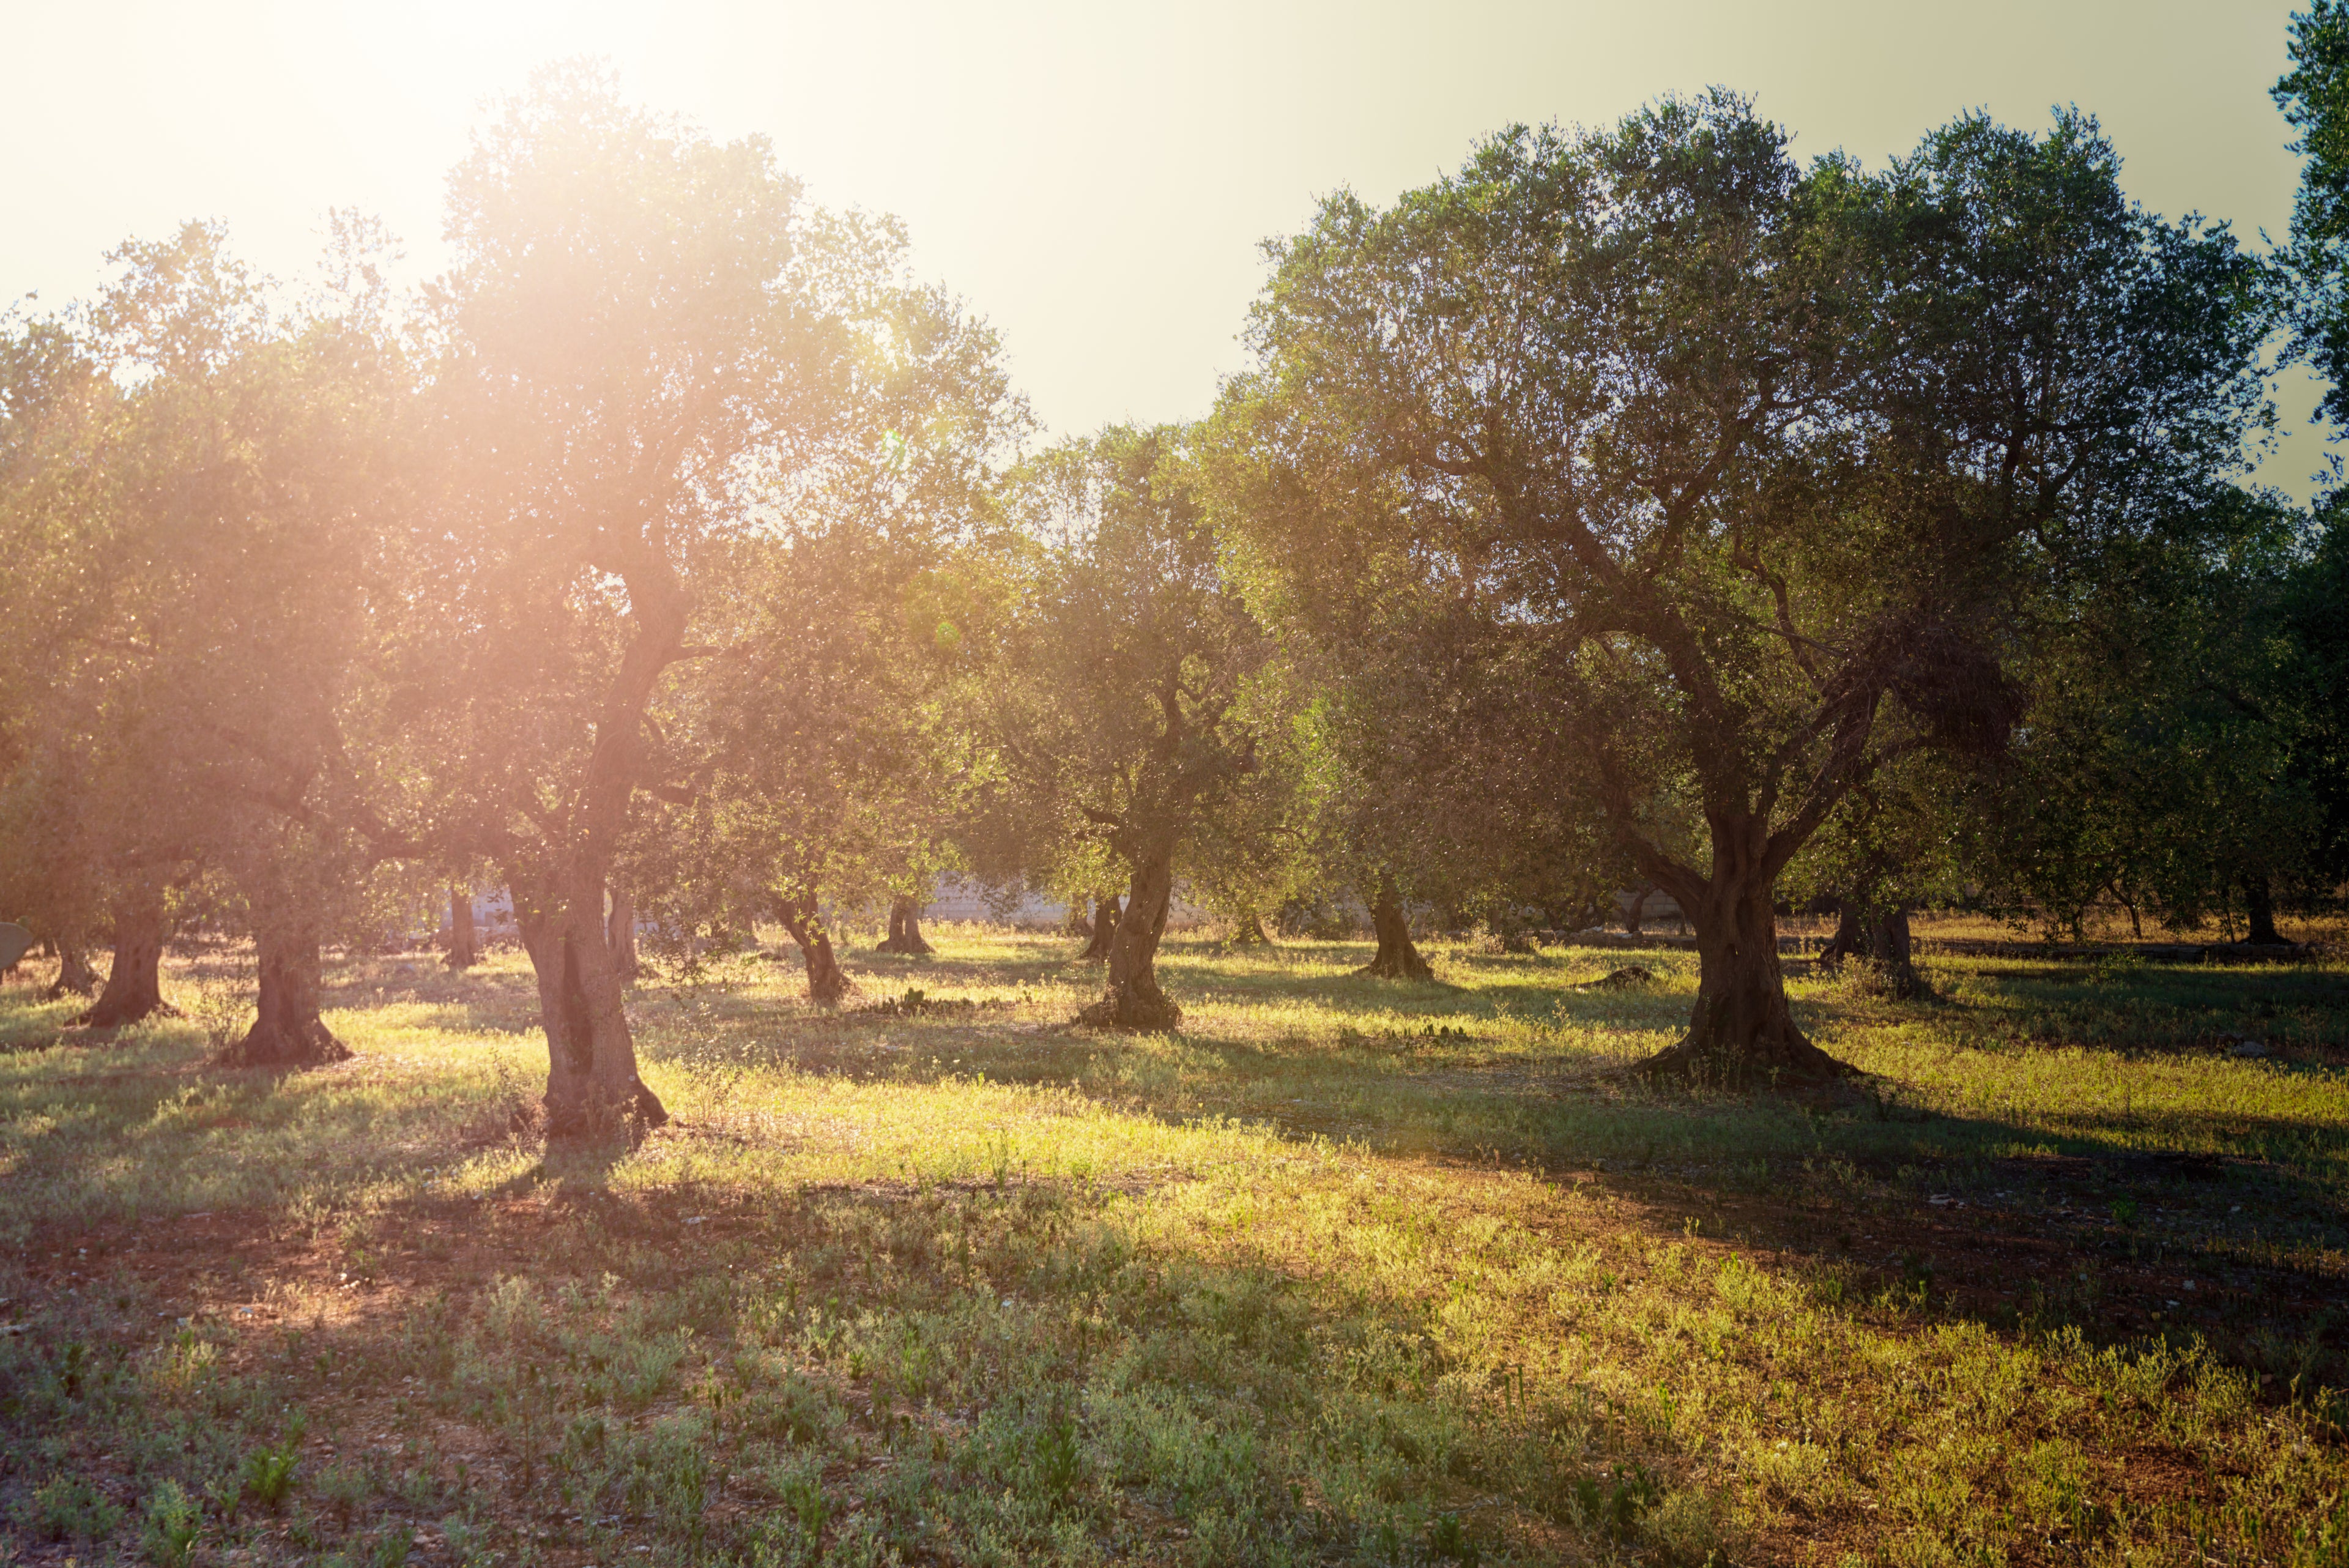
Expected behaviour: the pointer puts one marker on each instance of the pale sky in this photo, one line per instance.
(1094, 178)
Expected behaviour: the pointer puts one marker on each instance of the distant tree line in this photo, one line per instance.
(1636, 507)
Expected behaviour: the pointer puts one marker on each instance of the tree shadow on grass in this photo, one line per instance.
(2088, 1216)
(1014, 1362)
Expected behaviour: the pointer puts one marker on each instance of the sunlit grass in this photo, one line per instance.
(1342, 1271)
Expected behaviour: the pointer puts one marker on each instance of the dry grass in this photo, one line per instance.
(1345, 1271)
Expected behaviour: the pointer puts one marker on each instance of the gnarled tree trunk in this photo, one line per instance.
(75, 975)
(1396, 959)
(134, 987)
(592, 1087)
(1742, 1032)
(620, 932)
(288, 1033)
(1104, 929)
(1133, 1000)
(906, 929)
(462, 954)
(1878, 936)
(826, 982)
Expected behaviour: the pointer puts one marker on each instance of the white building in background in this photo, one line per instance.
(957, 898)
(493, 914)
(954, 899)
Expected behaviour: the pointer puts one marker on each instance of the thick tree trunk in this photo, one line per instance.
(288, 1033)
(134, 983)
(906, 929)
(826, 982)
(462, 954)
(1396, 959)
(2258, 902)
(620, 932)
(75, 975)
(1631, 915)
(592, 1087)
(1104, 931)
(1848, 937)
(1879, 937)
(1247, 930)
(1741, 1033)
(1133, 1000)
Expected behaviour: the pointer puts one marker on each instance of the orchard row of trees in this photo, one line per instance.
(1635, 506)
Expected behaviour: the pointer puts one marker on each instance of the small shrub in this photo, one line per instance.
(1059, 1462)
(1616, 1510)
(796, 1409)
(173, 1521)
(344, 1490)
(802, 1490)
(391, 1549)
(67, 1508)
(466, 1542)
(1447, 1541)
(221, 1007)
(269, 1474)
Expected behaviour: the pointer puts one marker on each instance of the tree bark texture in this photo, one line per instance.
(1104, 929)
(75, 975)
(1396, 959)
(1879, 937)
(1742, 1033)
(462, 954)
(288, 1033)
(826, 982)
(133, 988)
(592, 1087)
(906, 929)
(620, 932)
(1133, 1000)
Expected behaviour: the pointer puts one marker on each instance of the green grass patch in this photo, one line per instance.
(1345, 1271)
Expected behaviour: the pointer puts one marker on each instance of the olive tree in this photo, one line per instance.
(1115, 709)
(196, 554)
(1747, 464)
(625, 349)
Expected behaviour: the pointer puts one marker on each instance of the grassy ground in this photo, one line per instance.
(1346, 1271)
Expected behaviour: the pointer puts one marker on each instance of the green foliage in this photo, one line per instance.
(2314, 97)
(2167, 761)
(269, 1472)
(1126, 741)
(173, 1524)
(68, 1508)
(963, 1285)
(1657, 464)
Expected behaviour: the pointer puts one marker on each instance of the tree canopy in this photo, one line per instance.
(1746, 470)
(1637, 506)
